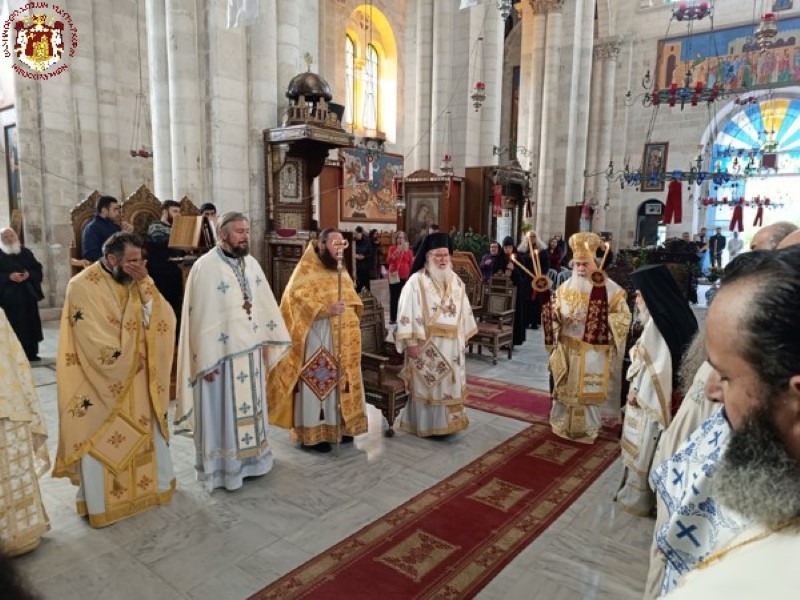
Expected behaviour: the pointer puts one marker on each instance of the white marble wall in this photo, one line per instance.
(75, 130)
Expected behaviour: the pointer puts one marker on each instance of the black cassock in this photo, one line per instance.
(19, 299)
(535, 314)
(522, 282)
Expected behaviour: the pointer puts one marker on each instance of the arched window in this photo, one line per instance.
(349, 69)
(370, 74)
(370, 101)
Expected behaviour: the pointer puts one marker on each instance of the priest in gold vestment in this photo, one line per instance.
(114, 359)
(301, 389)
(590, 319)
(23, 450)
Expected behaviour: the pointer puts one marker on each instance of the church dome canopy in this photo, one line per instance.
(309, 85)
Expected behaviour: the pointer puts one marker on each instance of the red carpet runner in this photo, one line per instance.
(452, 539)
(515, 401)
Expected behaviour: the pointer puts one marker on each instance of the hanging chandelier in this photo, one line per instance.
(504, 8)
(690, 89)
(142, 127)
(766, 31)
(446, 166)
(478, 95)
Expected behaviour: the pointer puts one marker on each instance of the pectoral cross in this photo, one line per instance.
(247, 306)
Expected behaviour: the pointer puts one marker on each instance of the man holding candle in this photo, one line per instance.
(590, 320)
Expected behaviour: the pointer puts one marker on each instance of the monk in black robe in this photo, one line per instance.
(20, 290)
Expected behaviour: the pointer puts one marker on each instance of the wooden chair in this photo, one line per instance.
(188, 207)
(466, 267)
(140, 209)
(380, 364)
(496, 323)
(78, 218)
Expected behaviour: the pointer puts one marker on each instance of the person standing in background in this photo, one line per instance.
(364, 258)
(398, 262)
(735, 245)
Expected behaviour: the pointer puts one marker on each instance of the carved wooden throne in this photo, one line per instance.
(380, 364)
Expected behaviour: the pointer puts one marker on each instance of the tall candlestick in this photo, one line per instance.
(537, 266)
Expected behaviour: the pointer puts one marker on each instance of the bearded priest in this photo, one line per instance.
(320, 311)
(587, 323)
(434, 322)
(114, 359)
(231, 333)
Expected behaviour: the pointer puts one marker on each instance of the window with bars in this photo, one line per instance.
(370, 98)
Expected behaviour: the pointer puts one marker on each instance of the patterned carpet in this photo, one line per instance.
(452, 539)
(515, 401)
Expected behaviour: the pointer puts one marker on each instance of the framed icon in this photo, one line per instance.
(654, 166)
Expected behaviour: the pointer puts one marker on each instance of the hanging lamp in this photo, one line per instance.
(140, 136)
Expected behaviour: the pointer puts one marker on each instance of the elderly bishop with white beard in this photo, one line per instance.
(590, 320)
(434, 322)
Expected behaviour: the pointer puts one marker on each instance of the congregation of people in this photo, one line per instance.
(710, 436)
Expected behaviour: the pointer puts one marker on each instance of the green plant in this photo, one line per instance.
(470, 241)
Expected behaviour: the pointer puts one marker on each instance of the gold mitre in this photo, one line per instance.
(584, 245)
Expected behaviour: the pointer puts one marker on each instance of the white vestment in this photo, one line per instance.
(23, 450)
(695, 523)
(764, 565)
(439, 313)
(734, 247)
(693, 412)
(231, 325)
(650, 377)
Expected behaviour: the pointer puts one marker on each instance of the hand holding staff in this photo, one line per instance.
(340, 246)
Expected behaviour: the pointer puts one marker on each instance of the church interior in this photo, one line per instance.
(644, 121)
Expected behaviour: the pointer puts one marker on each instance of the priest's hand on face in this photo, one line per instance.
(336, 308)
(209, 377)
(137, 271)
(127, 227)
(413, 351)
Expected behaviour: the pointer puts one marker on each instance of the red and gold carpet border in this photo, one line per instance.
(356, 567)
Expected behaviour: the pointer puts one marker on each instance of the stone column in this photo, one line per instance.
(607, 53)
(441, 82)
(186, 118)
(595, 115)
(424, 70)
(549, 210)
(483, 125)
(264, 91)
(159, 97)
(535, 30)
(525, 11)
(290, 54)
(579, 101)
(107, 76)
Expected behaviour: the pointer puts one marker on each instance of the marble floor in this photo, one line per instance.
(227, 545)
